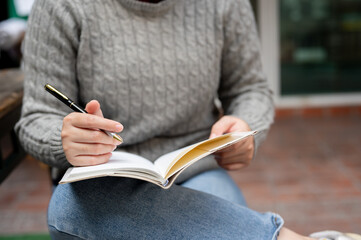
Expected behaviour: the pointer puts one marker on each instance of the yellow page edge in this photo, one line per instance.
(190, 148)
(234, 139)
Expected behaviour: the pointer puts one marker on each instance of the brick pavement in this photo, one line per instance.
(24, 198)
(308, 170)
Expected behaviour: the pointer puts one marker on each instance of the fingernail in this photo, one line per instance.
(119, 127)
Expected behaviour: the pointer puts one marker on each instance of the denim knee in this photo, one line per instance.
(62, 220)
(58, 235)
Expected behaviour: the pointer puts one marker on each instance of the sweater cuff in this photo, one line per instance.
(56, 148)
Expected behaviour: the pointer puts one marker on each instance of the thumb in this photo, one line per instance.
(222, 126)
(93, 107)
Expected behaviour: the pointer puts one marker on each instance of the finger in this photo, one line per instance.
(245, 145)
(90, 160)
(246, 150)
(90, 121)
(234, 166)
(238, 163)
(93, 107)
(242, 146)
(91, 149)
(227, 149)
(82, 135)
(231, 158)
(222, 126)
(242, 158)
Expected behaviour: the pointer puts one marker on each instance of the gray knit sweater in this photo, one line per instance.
(156, 68)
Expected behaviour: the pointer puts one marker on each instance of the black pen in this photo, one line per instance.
(70, 103)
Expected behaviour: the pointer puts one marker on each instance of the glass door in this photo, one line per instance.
(320, 46)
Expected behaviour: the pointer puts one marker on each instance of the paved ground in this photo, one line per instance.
(308, 170)
(24, 198)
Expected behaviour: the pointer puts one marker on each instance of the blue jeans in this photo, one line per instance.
(207, 206)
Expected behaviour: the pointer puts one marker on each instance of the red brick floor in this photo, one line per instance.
(308, 171)
(24, 198)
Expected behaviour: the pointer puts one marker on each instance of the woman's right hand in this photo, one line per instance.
(83, 143)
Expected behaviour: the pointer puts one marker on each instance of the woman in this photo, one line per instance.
(156, 69)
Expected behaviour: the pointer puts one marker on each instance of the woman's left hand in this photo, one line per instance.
(238, 155)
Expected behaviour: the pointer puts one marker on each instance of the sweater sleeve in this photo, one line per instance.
(244, 91)
(49, 57)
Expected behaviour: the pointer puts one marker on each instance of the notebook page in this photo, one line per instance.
(118, 161)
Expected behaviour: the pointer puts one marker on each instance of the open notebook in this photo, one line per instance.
(163, 171)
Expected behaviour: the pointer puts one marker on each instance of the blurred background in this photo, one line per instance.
(309, 168)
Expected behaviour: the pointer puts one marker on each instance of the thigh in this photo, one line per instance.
(216, 182)
(121, 208)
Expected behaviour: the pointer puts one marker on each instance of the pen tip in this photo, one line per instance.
(115, 136)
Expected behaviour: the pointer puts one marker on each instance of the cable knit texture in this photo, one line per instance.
(156, 68)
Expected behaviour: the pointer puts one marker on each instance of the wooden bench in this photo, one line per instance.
(11, 94)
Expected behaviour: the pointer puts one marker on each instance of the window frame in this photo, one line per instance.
(269, 30)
